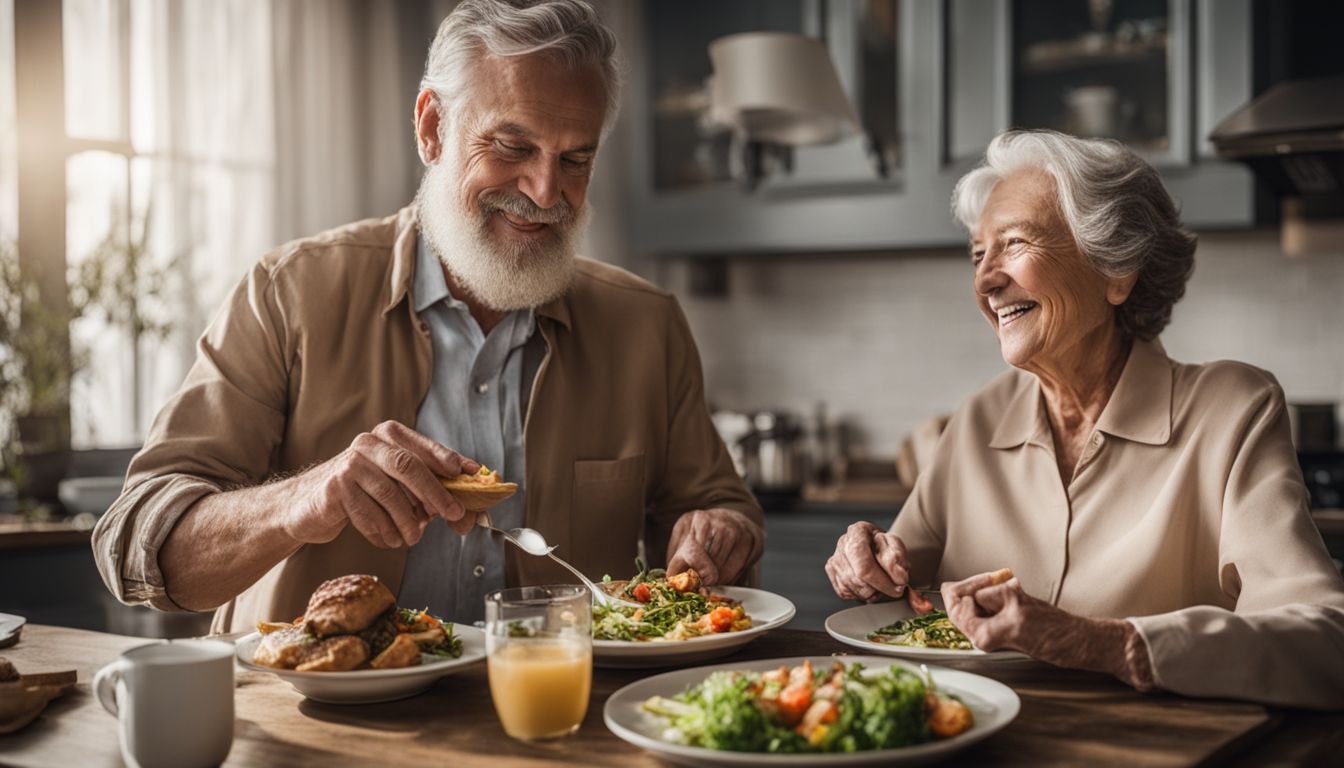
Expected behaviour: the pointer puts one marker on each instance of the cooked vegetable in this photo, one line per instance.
(840, 709)
(673, 608)
(932, 630)
(433, 635)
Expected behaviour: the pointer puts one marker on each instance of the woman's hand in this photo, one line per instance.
(1003, 616)
(870, 563)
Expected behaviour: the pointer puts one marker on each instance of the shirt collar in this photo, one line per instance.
(1139, 408)
(430, 286)
(402, 263)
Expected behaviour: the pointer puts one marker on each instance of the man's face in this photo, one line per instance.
(504, 203)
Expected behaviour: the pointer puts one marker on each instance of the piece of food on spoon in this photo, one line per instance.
(480, 491)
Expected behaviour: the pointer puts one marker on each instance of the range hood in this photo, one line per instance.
(1292, 137)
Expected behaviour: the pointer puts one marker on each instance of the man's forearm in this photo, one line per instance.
(224, 543)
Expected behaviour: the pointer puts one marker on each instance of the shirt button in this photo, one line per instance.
(482, 388)
(478, 571)
(1096, 440)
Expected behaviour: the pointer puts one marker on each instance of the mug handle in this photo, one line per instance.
(105, 684)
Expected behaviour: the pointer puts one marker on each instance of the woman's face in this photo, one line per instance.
(1034, 286)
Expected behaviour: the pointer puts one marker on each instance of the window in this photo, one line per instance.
(169, 180)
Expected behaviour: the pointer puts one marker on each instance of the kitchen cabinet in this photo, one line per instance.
(933, 81)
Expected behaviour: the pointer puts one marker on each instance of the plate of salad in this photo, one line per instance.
(850, 710)
(675, 619)
(894, 628)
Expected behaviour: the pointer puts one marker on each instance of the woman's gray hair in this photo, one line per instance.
(1120, 215)
(570, 30)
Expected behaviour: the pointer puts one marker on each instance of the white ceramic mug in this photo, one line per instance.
(174, 702)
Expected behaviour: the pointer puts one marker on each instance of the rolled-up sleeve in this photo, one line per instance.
(220, 430)
(1284, 643)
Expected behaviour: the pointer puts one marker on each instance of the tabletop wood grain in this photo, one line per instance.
(1067, 718)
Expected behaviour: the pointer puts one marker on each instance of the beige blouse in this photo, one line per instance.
(1187, 514)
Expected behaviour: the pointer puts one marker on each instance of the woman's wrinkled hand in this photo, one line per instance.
(1002, 616)
(870, 564)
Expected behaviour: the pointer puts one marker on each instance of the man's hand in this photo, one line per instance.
(386, 484)
(870, 564)
(720, 544)
(1003, 616)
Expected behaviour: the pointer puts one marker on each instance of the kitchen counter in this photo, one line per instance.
(1067, 718)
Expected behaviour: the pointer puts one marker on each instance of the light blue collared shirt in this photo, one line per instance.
(476, 406)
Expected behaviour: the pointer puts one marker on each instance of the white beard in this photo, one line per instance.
(501, 275)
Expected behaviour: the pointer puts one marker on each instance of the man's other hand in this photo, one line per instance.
(720, 544)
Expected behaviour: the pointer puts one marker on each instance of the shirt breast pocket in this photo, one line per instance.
(607, 515)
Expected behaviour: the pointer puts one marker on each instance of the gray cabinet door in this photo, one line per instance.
(962, 74)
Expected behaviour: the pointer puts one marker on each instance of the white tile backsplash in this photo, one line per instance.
(888, 340)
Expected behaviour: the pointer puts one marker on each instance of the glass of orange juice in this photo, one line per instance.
(539, 648)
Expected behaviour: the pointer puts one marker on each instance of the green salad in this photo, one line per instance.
(801, 710)
(433, 635)
(932, 630)
(673, 607)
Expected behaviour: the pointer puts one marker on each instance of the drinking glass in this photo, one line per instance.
(539, 647)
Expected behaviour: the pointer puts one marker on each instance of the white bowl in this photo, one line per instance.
(89, 494)
(370, 686)
(993, 703)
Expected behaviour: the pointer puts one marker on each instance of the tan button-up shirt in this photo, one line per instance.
(320, 342)
(1186, 514)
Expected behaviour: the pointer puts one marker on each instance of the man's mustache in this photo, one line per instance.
(522, 207)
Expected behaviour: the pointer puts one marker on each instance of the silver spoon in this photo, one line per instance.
(532, 542)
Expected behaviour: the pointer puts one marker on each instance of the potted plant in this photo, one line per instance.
(36, 365)
(121, 282)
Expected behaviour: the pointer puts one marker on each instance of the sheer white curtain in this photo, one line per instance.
(9, 174)
(250, 123)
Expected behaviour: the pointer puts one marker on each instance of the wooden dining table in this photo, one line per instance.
(1067, 718)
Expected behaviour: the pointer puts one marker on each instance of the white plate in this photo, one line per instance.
(852, 625)
(767, 611)
(10, 627)
(370, 686)
(993, 703)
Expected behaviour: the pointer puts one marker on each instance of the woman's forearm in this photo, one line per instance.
(224, 543)
(1113, 646)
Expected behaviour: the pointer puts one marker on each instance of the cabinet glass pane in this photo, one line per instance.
(1096, 68)
(687, 151)
(875, 95)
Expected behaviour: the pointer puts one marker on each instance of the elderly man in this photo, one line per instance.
(288, 457)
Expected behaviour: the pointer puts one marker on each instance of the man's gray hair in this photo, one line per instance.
(1120, 215)
(569, 30)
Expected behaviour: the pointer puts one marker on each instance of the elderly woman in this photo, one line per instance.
(1152, 511)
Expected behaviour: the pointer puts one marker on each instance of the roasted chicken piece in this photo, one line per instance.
(686, 581)
(403, 652)
(335, 654)
(346, 605)
(284, 648)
